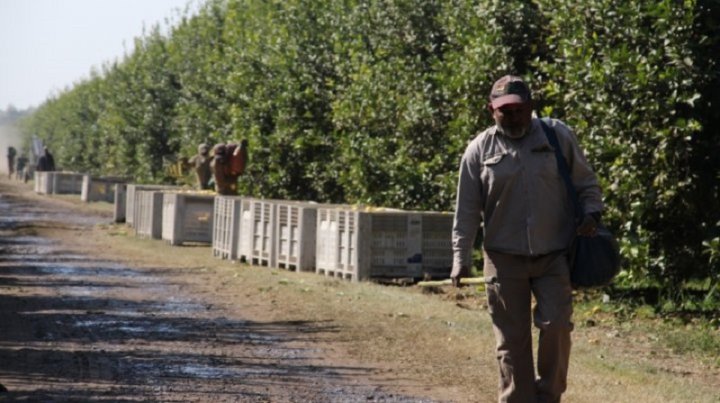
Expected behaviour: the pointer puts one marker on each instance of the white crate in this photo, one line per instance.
(226, 227)
(67, 183)
(130, 190)
(120, 199)
(358, 245)
(296, 225)
(245, 239)
(257, 235)
(187, 217)
(98, 189)
(43, 182)
(437, 254)
(148, 213)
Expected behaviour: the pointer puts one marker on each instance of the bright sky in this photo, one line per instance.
(47, 45)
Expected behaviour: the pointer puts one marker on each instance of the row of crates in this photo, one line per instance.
(169, 213)
(265, 232)
(55, 182)
(341, 241)
(90, 188)
(335, 240)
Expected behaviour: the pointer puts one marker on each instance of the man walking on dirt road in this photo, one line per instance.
(509, 181)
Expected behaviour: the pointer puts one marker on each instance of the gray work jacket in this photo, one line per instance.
(514, 188)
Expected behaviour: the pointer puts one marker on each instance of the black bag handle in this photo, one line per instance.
(564, 170)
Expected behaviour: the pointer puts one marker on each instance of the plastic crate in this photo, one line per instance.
(43, 182)
(437, 253)
(245, 239)
(359, 245)
(187, 217)
(67, 183)
(148, 213)
(120, 202)
(296, 226)
(98, 189)
(130, 198)
(226, 227)
(257, 237)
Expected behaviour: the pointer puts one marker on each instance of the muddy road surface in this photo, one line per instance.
(77, 327)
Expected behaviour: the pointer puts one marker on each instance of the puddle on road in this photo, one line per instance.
(32, 261)
(212, 372)
(9, 238)
(17, 213)
(129, 326)
(180, 366)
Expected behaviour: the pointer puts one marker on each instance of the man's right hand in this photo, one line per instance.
(458, 272)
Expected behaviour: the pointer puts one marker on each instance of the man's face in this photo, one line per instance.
(513, 120)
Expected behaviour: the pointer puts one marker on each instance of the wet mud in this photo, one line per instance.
(80, 328)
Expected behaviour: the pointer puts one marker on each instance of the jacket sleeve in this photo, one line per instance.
(468, 207)
(582, 174)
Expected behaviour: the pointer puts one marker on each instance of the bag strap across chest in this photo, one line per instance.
(564, 169)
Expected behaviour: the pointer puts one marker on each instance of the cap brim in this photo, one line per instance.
(509, 99)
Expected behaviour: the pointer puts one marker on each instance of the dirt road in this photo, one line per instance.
(79, 327)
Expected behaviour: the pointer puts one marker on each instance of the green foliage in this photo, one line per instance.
(389, 110)
(625, 76)
(373, 101)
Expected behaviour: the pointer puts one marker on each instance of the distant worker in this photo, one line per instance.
(46, 162)
(20, 166)
(11, 152)
(228, 163)
(201, 163)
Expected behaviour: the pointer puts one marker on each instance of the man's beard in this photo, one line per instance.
(513, 132)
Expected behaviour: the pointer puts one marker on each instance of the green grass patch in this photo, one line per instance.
(694, 332)
(702, 341)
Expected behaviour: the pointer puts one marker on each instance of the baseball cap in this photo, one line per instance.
(509, 90)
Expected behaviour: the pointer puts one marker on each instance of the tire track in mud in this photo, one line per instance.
(76, 328)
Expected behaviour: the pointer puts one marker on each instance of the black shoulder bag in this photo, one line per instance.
(594, 261)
